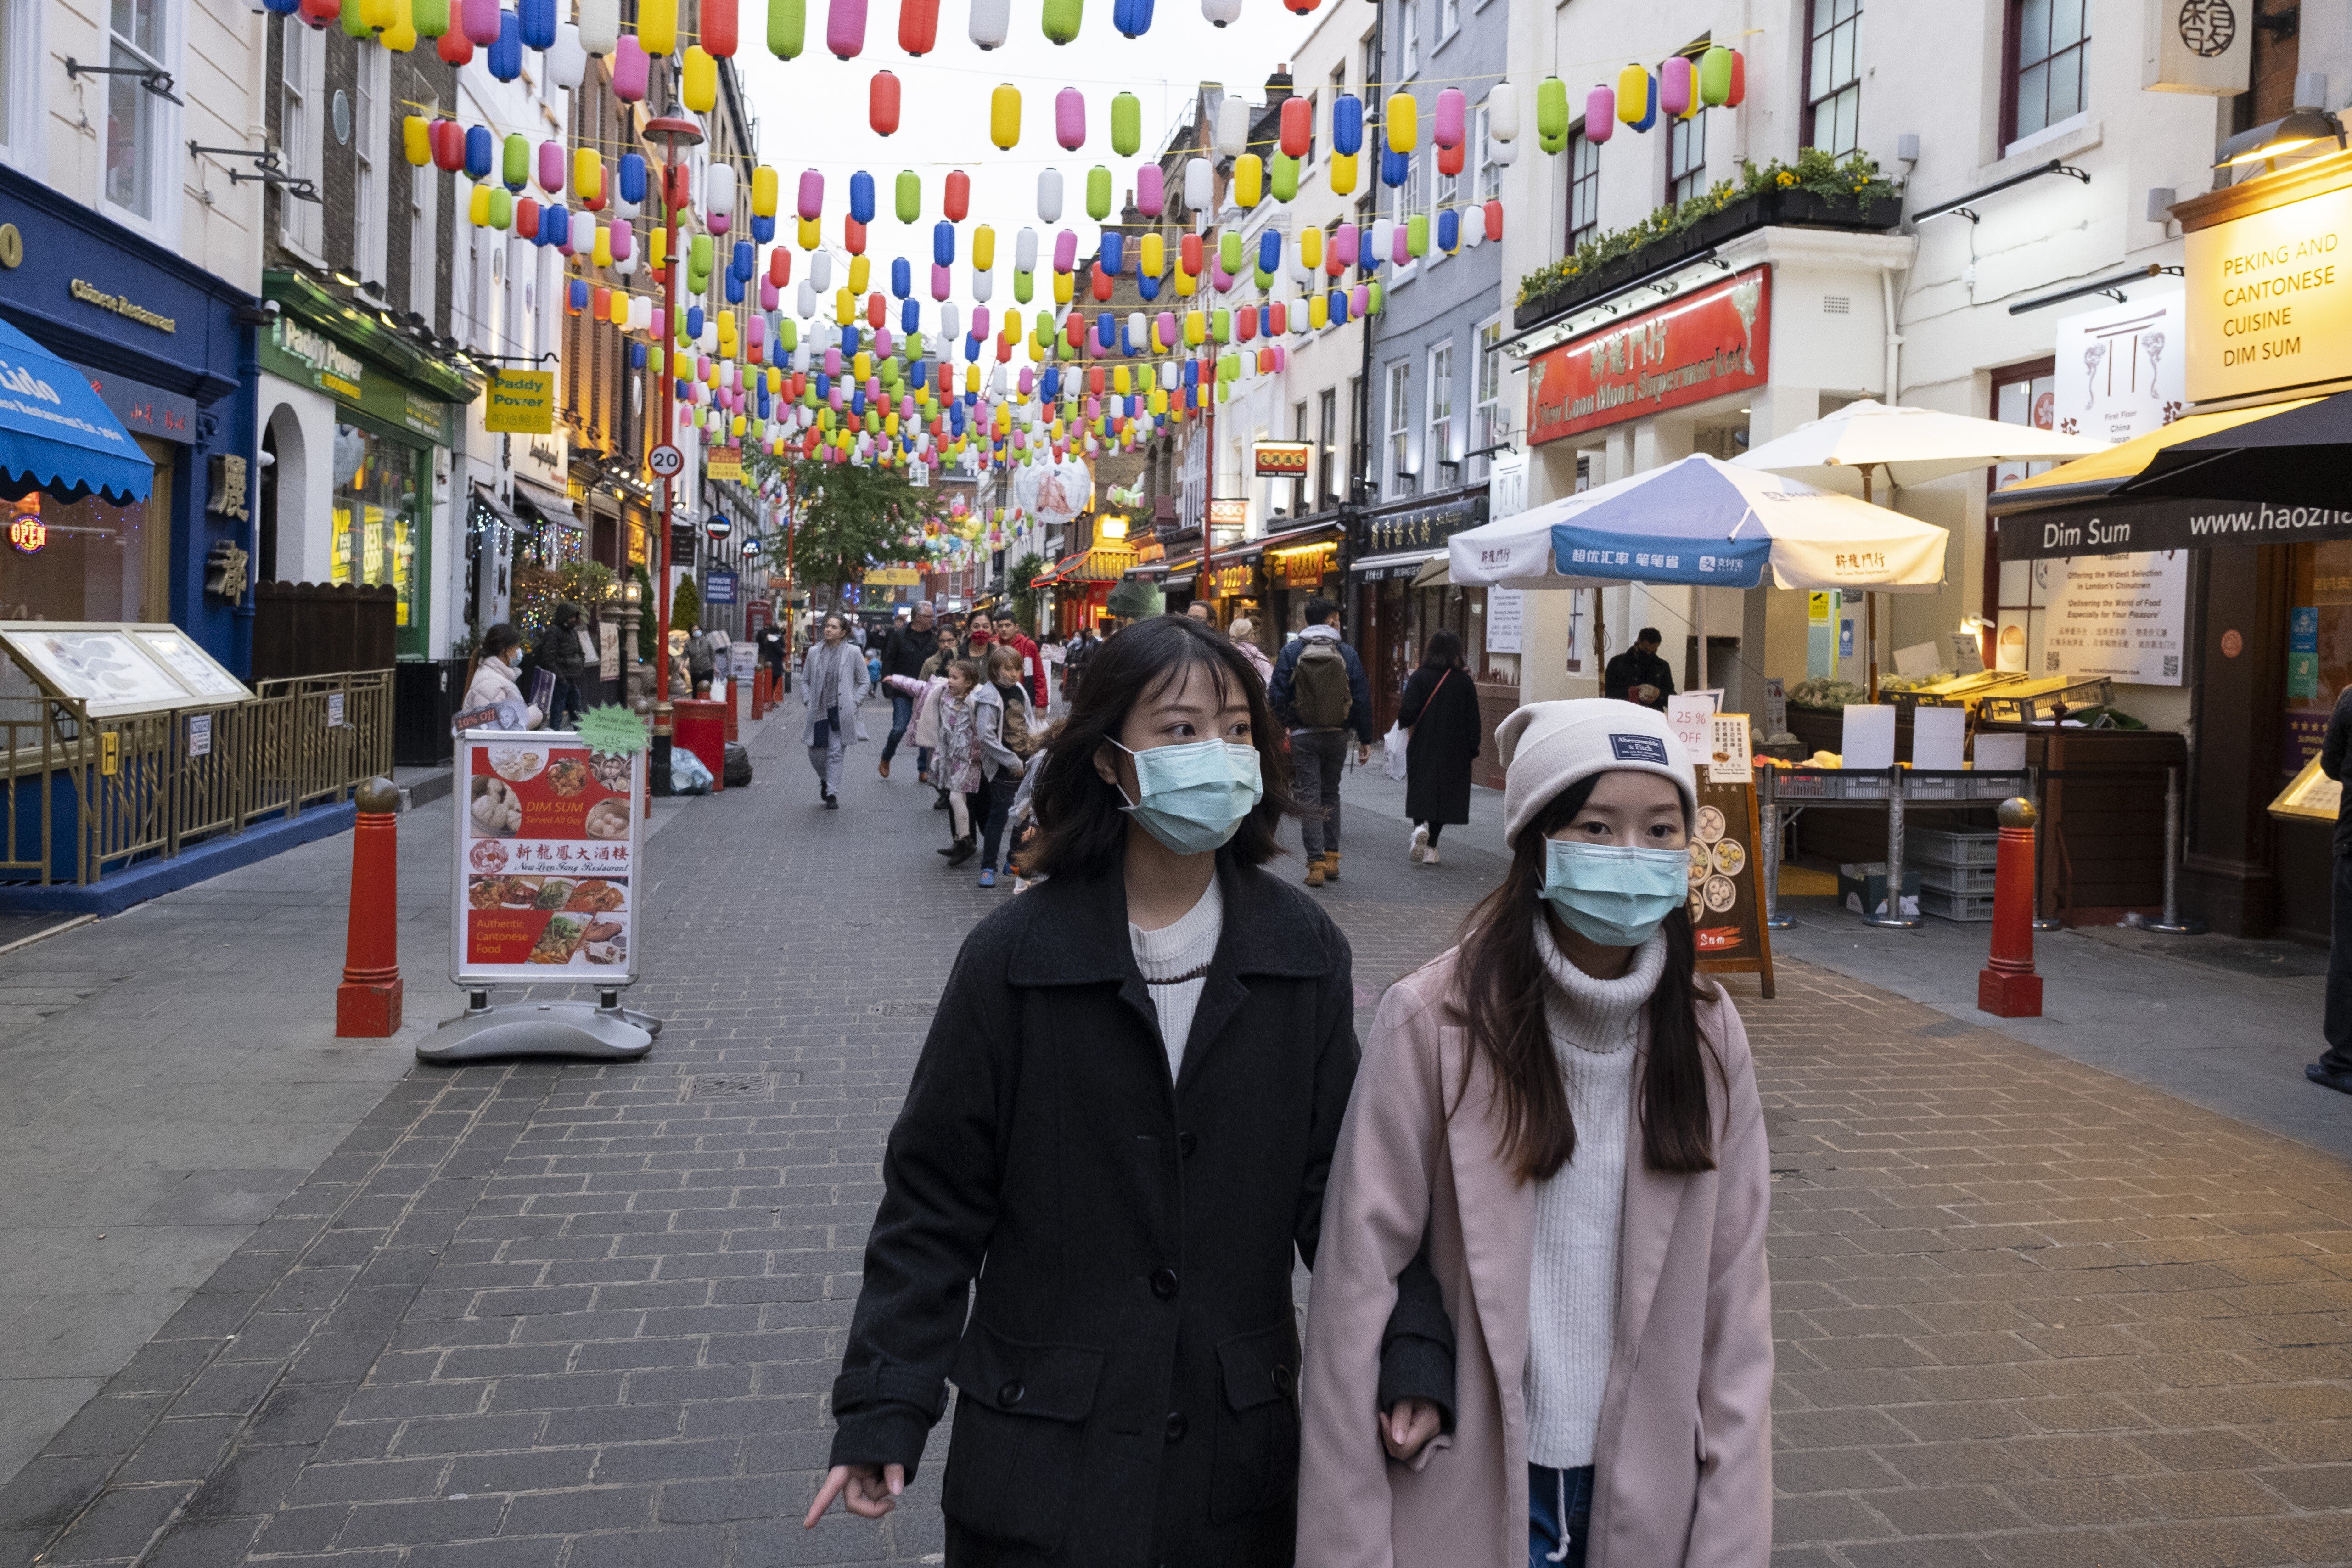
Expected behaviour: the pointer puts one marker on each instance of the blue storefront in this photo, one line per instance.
(170, 350)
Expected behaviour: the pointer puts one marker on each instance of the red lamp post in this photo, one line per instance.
(672, 134)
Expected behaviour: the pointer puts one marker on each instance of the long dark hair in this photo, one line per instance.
(1498, 991)
(1081, 829)
(1443, 652)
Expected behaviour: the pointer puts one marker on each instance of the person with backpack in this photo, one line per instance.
(1319, 692)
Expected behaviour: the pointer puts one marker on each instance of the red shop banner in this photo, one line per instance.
(1715, 341)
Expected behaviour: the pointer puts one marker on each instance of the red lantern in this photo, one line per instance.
(1244, 325)
(1094, 381)
(919, 25)
(448, 145)
(1281, 319)
(1302, 6)
(779, 267)
(319, 12)
(1494, 220)
(959, 195)
(1074, 328)
(525, 219)
(454, 47)
(600, 301)
(719, 29)
(853, 237)
(882, 103)
(1188, 255)
(1102, 281)
(1449, 158)
(1298, 124)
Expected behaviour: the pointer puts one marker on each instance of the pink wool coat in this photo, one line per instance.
(1683, 1456)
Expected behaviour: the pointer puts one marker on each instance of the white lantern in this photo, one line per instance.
(1135, 328)
(1474, 224)
(600, 25)
(1200, 186)
(567, 59)
(626, 266)
(1503, 112)
(821, 270)
(1221, 12)
(804, 302)
(1049, 197)
(1383, 240)
(718, 191)
(1233, 121)
(950, 322)
(1506, 153)
(991, 20)
(983, 284)
(1024, 250)
(1168, 376)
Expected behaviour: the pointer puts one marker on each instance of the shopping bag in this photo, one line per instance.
(1392, 745)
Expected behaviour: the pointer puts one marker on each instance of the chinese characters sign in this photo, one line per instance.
(1714, 342)
(548, 840)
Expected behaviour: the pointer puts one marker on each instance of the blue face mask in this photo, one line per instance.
(1195, 796)
(1611, 894)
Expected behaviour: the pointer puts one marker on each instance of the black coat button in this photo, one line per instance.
(1164, 1283)
(1011, 1394)
(1177, 1426)
(1186, 1144)
(1283, 1379)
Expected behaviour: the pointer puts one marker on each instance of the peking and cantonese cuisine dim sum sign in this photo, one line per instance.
(549, 833)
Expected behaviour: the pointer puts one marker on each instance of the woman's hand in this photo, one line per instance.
(1405, 1430)
(869, 1491)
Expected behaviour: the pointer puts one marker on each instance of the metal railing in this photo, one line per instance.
(86, 796)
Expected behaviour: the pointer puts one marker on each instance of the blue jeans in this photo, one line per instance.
(902, 713)
(1559, 1503)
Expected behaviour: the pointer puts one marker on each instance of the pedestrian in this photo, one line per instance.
(1638, 675)
(945, 651)
(1439, 718)
(833, 683)
(1006, 722)
(958, 760)
(903, 653)
(1562, 1118)
(1119, 1131)
(775, 646)
(1244, 631)
(1198, 610)
(701, 661)
(1319, 691)
(978, 637)
(2333, 1066)
(495, 680)
(1032, 669)
(559, 653)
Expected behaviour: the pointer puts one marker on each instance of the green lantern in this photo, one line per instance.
(1126, 124)
(1062, 19)
(1099, 192)
(1229, 251)
(1024, 284)
(501, 207)
(910, 195)
(787, 27)
(1284, 180)
(429, 17)
(1551, 114)
(788, 332)
(1416, 235)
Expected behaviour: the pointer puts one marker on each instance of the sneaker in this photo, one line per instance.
(1420, 843)
(1430, 859)
(1315, 871)
(831, 802)
(1330, 865)
(988, 877)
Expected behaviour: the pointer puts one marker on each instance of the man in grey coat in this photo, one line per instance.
(833, 683)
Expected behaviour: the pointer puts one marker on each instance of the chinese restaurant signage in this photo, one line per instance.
(1284, 460)
(1423, 527)
(2270, 298)
(1716, 340)
(548, 840)
(2132, 523)
(1304, 568)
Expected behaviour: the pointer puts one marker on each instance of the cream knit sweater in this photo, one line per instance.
(1573, 1285)
(1180, 949)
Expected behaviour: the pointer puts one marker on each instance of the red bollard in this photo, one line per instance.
(367, 1004)
(2008, 987)
(759, 691)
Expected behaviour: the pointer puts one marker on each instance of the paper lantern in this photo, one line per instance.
(587, 175)
(1395, 168)
(1221, 13)
(1070, 118)
(1132, 17)
(1232, 135)
(1005, 116)
(630, 68)
(534, 19)
(787, 29)
(479, 145)
(909, 195)
(567, 61)
(1342, 174)
(1722, 78)
(1282, 177)
(882, 103)
(1637, 97)
(1229, 250)
(1200, 186)
(416, 140)
(956, 201)
(657, 27)
(1066, 251)
(1379, 243)
(812, 195)
(989, 21)
(1061, 19)
(1298, 126)
(1451, 159)
(499, 209)
(1269, 250)
(1099, 192)
(1024, 251)
(699, 81)
(429, 17)
(453, 46)
(1446, 129)
(1449, 231)
(1495, 219)
(720, 31)
(481, 20)
(943, 243)
(600, 25)
(630, 179)
(1402, 128)
(1249, 180)
(1150, 190)
(1677, 97)
(505, 56)
(844, 29)
(1600, 121)
(861, 196)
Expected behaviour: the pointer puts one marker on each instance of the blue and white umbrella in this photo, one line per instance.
(1706, 524)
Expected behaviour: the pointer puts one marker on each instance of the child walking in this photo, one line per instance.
(957, 764)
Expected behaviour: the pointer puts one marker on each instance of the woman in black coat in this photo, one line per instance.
(1441, 715)
(1120, 1127)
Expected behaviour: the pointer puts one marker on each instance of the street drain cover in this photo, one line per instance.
(904, 1009)
(731, 1086)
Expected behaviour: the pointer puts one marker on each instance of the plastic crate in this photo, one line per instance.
(1994, 785)
(1955, 906)
(1947, 846)
(1957, 878)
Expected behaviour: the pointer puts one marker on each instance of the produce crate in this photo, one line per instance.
(1955, 906)
(1942, 847)
(1831, 784)
(1957, 878)
(1994, 785)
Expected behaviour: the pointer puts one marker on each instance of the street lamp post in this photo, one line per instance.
(672, 134)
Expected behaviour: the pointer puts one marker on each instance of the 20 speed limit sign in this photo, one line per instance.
(666, 461)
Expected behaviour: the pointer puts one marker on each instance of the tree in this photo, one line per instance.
(685, 606)
(847, 518)
(1025, 571)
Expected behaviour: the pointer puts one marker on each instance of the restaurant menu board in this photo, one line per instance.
(197, 669)
(549, 832)
(116, 668)
(1726, 901)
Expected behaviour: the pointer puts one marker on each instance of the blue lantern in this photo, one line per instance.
(943, 244)
(902, 282)
(861, 196)
(1269, 250)
(538, 23)
(482, 152)
(505, 56)
(630, 178)
(1132, 17)
(1113, 252)
(1449, 230)
(1395, 168)
(1347, 125)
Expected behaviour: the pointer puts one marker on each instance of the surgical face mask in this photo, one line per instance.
(1613, 894)
(1195, 796)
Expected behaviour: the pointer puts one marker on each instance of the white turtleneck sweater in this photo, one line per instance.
(1573, 1285)
(1183, 948)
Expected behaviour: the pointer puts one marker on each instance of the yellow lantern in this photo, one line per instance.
(1155, 254)
(1005, 116)
(862, 367)
(984, 248)
(763, 192)
(587, 175)
(477, 207)
(1310, 247)
(1186, 284)
(812, 233)
(602, 254)
(416, 140)
(1249, 179)
(401, 36)
(699, 84)
(1062, 288)
(1343, 174)
(657, 27)
(845, 307)
(858, 269)
(1318, 311)
(658, 249)
(1403, 126)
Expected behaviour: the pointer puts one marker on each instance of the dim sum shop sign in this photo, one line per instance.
(1716, 340)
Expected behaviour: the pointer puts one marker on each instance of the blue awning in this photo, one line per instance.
(57, 433)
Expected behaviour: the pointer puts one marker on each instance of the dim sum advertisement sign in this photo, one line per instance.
(549, 831)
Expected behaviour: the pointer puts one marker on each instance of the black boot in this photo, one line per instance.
(963, 849)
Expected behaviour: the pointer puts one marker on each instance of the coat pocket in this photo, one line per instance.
(1020, 1435)
(1257, 1423)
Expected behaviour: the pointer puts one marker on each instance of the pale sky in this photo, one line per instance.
(812, 114)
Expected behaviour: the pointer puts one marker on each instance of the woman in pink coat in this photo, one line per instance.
(1567, 1119)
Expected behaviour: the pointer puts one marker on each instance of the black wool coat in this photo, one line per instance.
(1440, 709)
(1128, 1376)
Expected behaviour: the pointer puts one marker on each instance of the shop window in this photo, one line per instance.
(1439, 445)
(378, 518)
(134, 132)
(1400, 401)
(1490, 423)
(302, 124)
(370, 128)
(1327, 455)
(1833, 77)
(2014, 590)
(1583, 188)
(2319, 645)
(2047, 47)
(92, 559)
(1686, 158)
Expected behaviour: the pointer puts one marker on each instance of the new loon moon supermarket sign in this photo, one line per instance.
(1716, 340)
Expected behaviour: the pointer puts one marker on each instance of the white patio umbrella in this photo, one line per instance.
(1844, 450)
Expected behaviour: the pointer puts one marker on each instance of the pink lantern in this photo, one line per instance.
(979, 323)
(1675, 85)
(1600, 114)
(1167, 329)
(482, 22)
(550, 166)
(1150, 190)
(844, 29)
(1066, 251)
(832, 362)
(1070, 118)
(629, 70)
(943, 282)
(771, 297)
(625, 242)
(1399, 249)
(1343, 245)
(1450, 107)
(812, 203)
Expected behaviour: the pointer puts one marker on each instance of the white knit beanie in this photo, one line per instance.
(1548, 746)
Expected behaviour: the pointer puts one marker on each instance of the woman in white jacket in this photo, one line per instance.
(494, 678)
